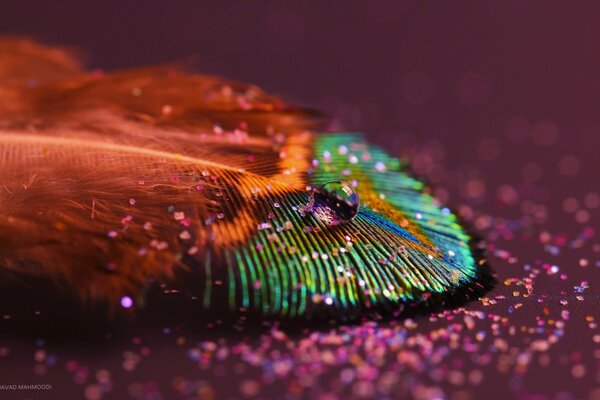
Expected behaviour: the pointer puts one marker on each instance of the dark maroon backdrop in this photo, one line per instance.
(539, 58)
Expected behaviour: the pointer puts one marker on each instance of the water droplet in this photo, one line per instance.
(334, 202)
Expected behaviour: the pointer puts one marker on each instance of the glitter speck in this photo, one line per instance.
(126, 302)
(379, 166)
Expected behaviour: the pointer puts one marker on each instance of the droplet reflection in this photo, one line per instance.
(334, 202)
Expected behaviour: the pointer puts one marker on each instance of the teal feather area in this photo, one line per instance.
(403, 247)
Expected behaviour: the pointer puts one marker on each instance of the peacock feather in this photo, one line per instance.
(112, 183)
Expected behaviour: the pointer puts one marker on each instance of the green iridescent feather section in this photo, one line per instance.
(402, 247)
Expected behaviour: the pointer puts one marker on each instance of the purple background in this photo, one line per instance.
(538, 58)
(453, 71)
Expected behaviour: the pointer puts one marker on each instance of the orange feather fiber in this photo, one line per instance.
(90, 157)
